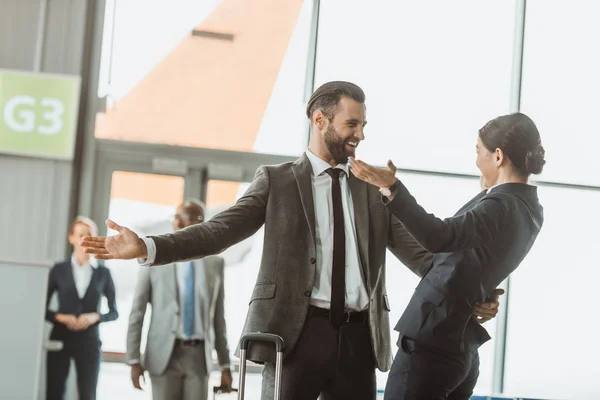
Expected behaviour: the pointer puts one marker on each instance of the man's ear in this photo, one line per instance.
(319, 119)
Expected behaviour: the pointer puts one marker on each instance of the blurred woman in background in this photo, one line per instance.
(80, 283)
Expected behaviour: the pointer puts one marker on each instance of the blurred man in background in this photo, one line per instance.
(187, 313)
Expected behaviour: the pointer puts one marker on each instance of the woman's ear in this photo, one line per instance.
(499, 157)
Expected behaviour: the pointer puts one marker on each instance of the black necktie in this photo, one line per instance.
(338, 273)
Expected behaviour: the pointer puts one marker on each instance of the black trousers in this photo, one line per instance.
(420, 373)
(87, 355)
(327, 362)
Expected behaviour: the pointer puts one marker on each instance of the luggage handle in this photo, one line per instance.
(261, 337)
(265, 338)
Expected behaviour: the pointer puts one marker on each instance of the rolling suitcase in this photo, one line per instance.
(261, 337)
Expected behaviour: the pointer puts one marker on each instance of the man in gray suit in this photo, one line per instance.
(187, 321)
(321, 284)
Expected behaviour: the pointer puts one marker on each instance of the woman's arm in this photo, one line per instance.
(469, 230)
(109, 292)
(472, 229)
(51, 315)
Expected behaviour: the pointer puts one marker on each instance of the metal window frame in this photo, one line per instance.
(499, 367)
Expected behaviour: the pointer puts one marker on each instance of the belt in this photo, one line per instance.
(188, 342)
(361, 317)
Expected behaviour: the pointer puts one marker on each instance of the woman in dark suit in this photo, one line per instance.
(80, 284)
(474, 252)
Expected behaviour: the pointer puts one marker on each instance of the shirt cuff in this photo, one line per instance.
(151, 250)
(225, 366)
(134, 361)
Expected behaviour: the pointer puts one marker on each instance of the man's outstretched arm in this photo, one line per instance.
(227, 228)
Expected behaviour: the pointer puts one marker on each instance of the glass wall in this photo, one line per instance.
(434, 72)
(226, 75)
(241, 261)
(146, 204)
(561, 83)
(552, 338)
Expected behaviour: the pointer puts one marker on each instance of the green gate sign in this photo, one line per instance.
(38, 114)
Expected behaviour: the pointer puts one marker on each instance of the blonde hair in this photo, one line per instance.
(84, 221)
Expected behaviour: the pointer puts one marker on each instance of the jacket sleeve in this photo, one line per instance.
(143, 293)
(219, 322)
(227, 228)
(52, 286)
(109, 292)
(406, 249)
(472, 229)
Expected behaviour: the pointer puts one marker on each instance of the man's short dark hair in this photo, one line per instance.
(327, 97)
(194, 204)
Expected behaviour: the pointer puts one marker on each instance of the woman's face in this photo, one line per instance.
(488, 164)
(79, 231)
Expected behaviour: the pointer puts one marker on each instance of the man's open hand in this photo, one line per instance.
(126, 245)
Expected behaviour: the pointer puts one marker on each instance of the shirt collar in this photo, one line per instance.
(92, 262)
(319, 166)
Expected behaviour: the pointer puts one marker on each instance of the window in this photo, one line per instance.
(552, 339)
(242, 260)
(145, 203)
(208, 74)
(561, 84)
(434, 73)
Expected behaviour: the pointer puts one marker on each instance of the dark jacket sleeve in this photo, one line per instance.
(109, 292)
(407, 249)
(472, 229)
(225, 229)
(52, 286)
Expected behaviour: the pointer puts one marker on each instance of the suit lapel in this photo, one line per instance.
(173, 282)
(205, 276)
(303, 173)
(359, 192)
(71, 278)
(92, 282)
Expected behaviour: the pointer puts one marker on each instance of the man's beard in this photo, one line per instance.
(337, 146)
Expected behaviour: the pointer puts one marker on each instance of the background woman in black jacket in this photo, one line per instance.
(474, 252)
(80, 284)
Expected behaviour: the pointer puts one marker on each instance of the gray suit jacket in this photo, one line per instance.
(158, 286)
(281, 198)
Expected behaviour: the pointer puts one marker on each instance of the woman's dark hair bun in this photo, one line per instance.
(534, 160)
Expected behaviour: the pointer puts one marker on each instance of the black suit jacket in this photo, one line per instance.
(474, 252)
(62, 281)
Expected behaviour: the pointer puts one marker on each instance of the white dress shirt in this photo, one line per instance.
(200, 290)
(357, 298)
(82, 274)
(356, 293)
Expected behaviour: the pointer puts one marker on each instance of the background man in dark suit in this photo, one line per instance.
(321, 283)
